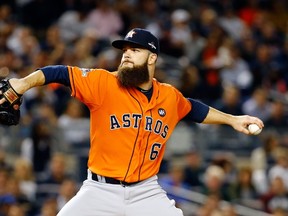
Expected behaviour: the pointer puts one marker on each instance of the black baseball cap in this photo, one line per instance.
(140, 37)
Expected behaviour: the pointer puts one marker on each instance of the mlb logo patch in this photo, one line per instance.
(161, 112)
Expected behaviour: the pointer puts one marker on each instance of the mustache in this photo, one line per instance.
(127, 61)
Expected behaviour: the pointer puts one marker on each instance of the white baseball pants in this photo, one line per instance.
(146, 198)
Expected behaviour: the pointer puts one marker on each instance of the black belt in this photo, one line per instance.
(111, 180)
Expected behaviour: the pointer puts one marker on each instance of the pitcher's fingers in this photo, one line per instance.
(259, 122)
(255, 120)
(2, 100)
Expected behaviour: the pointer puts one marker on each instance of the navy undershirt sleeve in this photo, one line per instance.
(56, 74)
(198, 112)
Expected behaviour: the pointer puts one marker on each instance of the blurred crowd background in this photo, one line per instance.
(232, 55)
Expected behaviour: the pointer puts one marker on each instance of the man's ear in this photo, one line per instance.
(152, 58)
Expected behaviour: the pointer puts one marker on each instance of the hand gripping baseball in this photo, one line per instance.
(9, 109)
(241, 123)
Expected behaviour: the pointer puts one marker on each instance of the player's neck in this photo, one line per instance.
(148, 93)
(145, 86)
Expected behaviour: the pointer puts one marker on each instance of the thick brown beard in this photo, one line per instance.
(133, 77)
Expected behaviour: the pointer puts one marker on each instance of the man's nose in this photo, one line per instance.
(127, 54)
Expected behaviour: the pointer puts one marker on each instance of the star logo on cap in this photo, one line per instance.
(130, 34)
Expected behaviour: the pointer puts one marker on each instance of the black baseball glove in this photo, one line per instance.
(10, 109)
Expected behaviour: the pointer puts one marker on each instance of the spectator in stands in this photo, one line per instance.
(49, 185)
(230, 101)
(68, 189)
(53, 45)
(262, 158)
(23, 173)
(82, 53)
(13, 188)
(247, 46)
(10, 60)
(280, 168)
(74, 124)
(108, 59)
(242, 190)
(16, 210)
(265, 67)
(6, 199)
(235, 70)
(104, 21)
(149, 14)
(208, 65)
(38, 147)
(174, 181)
(211, 206)
(40, 102)
(4, 160)
(207, 24)
(228, 210)
(23, 43)
(58, 171)
(195, 46)
(249, 12)
(270, 35)
(278, 118)
(72, 24)
(258, 104)
(180, 32)
(49, 208)
(6, 19)
(193, 170)
(191, 83)
(213, 182)
(277, 197)
(231, 23)
(227, 163)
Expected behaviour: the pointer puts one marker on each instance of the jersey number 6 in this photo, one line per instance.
(155, 151)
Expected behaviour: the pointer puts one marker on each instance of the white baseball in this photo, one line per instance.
(254, 129)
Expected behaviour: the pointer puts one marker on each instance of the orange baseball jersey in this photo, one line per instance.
(128, 132)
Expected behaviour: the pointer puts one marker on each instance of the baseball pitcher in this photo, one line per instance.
(132, 117)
